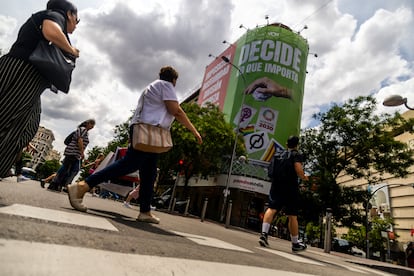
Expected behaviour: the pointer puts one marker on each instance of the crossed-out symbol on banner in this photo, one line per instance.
(256, 141)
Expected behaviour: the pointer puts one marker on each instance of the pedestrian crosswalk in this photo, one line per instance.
(32, 255)
(32, 258)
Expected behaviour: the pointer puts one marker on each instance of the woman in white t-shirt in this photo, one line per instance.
(160, 107)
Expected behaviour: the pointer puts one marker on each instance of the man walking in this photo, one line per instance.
(284, 171)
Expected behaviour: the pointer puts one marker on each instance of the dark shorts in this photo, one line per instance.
(286, 201)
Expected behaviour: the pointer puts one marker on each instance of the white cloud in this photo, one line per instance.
(362, 50)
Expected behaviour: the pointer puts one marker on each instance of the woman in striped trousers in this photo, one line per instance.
(21, 85)
(19, 108)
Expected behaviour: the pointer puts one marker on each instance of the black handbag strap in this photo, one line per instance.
(141, 102)
(38, 28)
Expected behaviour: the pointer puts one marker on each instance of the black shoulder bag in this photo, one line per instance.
(55, 66)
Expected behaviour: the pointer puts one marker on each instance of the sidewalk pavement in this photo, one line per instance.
(383, 266)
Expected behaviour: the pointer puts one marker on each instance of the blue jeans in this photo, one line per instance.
(145, 162)
(68, 170)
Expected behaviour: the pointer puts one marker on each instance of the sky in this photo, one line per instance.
(363, 48)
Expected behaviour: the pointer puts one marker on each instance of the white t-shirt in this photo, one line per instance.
(154, 110)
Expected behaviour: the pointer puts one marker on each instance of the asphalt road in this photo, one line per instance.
(40, 234)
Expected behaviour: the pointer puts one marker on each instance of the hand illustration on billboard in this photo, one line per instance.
(264, 88)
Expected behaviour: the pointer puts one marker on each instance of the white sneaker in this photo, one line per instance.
(22, 178)
(148, 218)
(126, 205)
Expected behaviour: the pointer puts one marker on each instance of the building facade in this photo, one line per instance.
(278, 55)
(41, 147)
(392, 197)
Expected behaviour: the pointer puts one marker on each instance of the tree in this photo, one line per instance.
(357, 235)
(121, 137)
(26, 157)
(353, 140)
(47, 168)
(378, 226)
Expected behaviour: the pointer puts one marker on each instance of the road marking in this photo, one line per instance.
(291, 256)
(33, 258)
(361, 267)
(374, 271)
(348, 267)
(57, 216)
(202, 240)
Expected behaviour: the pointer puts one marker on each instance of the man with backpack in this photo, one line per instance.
(284, 170)
(76, 142)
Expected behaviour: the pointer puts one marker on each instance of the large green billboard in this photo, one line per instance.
(267, 71)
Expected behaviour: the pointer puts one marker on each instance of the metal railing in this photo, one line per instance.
(251, 168)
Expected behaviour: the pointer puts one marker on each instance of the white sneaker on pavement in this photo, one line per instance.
(22, 178)
(149, 218)
(126, 205)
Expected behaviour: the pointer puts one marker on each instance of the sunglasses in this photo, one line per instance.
(77, 19)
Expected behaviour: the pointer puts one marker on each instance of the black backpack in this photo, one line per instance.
(280, 164)
(69, 138)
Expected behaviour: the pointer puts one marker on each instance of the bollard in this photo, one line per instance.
(327, 244)
(173, 204)
(203, 212)
(229, 207)
(187, 206)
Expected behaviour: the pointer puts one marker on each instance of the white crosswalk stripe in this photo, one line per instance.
(207, 241)
(58, 216)
(32, 258)
(292, 257)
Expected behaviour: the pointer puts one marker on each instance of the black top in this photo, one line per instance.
(29, 36)
(286, 178)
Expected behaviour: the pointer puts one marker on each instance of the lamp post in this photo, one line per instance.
(396, 100)
(366, 211)
(226, 190)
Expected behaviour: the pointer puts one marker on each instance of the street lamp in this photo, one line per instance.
(396, 100)
(226, 190)
(366, 211)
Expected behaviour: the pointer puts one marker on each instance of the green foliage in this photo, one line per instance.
(47, 168)
(313, 231)
(357, 236)
(121, 137)
(379, 225)
(205, 159)
(26, 157)
(352, 139)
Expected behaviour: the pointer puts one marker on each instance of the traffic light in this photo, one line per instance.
(181, 162)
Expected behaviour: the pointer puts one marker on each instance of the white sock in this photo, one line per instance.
(294, 239)
(265, 227)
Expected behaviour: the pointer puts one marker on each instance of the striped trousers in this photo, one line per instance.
(20, 89)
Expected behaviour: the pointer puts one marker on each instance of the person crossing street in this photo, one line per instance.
(284, 171)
